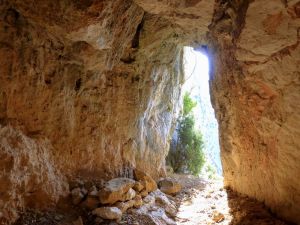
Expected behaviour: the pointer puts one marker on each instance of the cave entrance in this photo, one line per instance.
(195, 147)
(209, 200)
(196, 69)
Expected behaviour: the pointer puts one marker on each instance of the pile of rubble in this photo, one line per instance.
(119, 195)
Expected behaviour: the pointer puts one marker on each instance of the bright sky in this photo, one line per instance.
(196, 68)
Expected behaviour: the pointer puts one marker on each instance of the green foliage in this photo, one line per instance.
(188, 104)
(195, 154)
(211, 172)
(186, 152)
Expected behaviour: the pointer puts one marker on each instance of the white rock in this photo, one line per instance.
(124, 206)
(149, 199)
(129, 195)
(109, 213)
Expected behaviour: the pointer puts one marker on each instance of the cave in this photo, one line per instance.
(91, 88)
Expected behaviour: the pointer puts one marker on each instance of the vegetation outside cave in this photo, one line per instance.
(194, 148)
(186, 150)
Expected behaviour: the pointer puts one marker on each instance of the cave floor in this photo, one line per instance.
(200, 202)
(207, 202)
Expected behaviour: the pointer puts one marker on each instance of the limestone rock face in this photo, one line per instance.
(28, 177)
(256, 95)
(193, 16)
(99, 80)
(93, 81)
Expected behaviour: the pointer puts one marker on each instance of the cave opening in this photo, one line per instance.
(209, 196)
(197, 66)
(194, 148)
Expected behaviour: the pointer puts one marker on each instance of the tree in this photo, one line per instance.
(186, 149)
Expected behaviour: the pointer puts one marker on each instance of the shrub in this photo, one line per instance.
(210, 172)
(186, 149)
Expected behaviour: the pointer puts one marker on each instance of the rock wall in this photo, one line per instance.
(28, 176)
(256, 92)
(98, 81)
(96, 92)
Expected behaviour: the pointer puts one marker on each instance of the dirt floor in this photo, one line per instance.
(199, 202)
(207, 202)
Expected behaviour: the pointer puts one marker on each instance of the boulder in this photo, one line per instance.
(129, 195)
(218, 217)
(116, 190)
(138, 186)
(146, 180)
(123, 206)
(162, 200)
(150, 199)
(144, 193)
(169, 186)
(138, 201)
(109, 213)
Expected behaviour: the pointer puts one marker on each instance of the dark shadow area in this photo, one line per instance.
(248, 211)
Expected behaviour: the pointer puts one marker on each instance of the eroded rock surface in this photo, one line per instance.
(256, 90)
(87, 77)
(28, 177)
(92, 81)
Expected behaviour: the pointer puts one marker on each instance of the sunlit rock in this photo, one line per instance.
(146, 180)
(117, 189)
(110, 213)
(169, 186)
